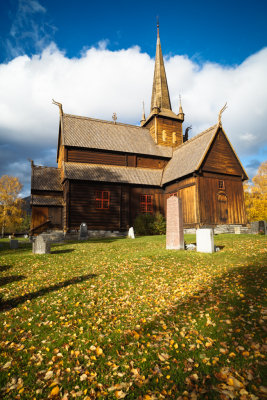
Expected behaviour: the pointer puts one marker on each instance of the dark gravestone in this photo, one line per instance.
(83, 232)
(174, 224)
(258, 227)
(41, 246)
(14, 244)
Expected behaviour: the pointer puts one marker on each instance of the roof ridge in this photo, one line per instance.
(44, 166)
(103, 121)
(196, 137)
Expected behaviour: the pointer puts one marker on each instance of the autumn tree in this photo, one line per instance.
(10, 204)
(256, 195)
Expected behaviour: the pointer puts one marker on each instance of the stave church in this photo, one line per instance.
(109, 172)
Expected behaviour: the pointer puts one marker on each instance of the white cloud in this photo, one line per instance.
(101, 82)
(29, 31)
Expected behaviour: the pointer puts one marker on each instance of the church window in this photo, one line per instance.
(221, 184)
(164, 136)
(102, 200)
(146, 203)
(173, 137)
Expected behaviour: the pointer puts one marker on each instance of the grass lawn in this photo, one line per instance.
(121, 318)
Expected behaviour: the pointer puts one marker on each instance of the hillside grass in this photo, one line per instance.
(122, 318)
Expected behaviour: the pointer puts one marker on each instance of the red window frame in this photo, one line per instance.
(146, 203)
(102, 200)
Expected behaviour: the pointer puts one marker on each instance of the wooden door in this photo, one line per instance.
(223, 208)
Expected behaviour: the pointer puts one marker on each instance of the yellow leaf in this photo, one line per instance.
(99, 351)
(54, 391)
(120, 394)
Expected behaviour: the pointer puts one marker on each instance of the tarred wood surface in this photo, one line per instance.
(221, 158)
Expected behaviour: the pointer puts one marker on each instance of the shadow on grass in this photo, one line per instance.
(233, 306)
(4, 267)
(9, 279)
(62, 251)
(14, 302)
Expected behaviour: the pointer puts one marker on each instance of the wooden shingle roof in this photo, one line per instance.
(104, 135)
(187, 157)
(104, 173)
(46, 178)
(46, 201)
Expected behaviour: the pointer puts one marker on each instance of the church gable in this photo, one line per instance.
(221, 157)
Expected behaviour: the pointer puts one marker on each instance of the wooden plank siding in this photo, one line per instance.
(124, 205)
(211, 207)
(221, 158)
(186, 189)
(41, 214)
(158, 201)
(158, 124)
(108, 158)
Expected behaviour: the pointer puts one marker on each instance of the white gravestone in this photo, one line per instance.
(131, 233)
(174, 224)
(205, 240)
(40, 246)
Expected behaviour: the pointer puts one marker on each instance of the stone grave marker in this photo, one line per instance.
(259, 226)
(205, 240)
(14, 244)
(41, 246)
(237, 230)
(174, 224)
(83, 232)
(131, 233)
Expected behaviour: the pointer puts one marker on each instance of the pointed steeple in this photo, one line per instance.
(181, 113)
(160, 93)
(143, 120)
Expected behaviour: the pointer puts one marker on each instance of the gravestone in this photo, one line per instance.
(14, 244)
(259, 227)
(131, 233)
(174, 224)
(205, 240)
(41, 246)
(237, 230)
(83, 232)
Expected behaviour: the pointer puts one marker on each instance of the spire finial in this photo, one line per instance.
(59, 106)
(157, 26)
(220, 114)
(143, 120)
(181, 113)
(114, 117)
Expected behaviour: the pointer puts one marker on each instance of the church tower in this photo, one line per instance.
(164, 125)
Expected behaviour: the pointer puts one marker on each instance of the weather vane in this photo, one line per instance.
(114, 117)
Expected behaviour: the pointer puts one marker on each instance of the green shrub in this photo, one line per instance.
(147, 224)
(159, 224)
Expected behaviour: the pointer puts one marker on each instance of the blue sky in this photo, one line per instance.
(97, 57)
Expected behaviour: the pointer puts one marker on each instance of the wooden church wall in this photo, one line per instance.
(187, 191)
(82, 206)
(113, 158)
(123, 208)
(221, 158)
(221, 200)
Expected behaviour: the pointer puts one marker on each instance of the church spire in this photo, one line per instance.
(181, 113)
(160, 92)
